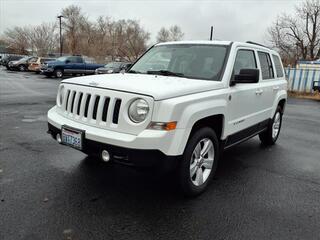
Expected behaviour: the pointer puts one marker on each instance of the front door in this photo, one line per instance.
(244, 100)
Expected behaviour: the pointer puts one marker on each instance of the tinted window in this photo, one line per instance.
(42, 60)
(278, 65)
(75, 59)
(245, 59)
(266, 65)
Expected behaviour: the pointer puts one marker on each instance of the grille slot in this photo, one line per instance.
(95, 107)
(79, 103)
(116, 111)
(87, 105)
(67, 100)
(105, 109)
(72, 100)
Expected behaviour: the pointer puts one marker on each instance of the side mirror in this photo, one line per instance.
(67, 61)
(246, 76)
(125, 68)
(128, 66)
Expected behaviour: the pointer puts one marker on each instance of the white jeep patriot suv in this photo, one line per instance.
(180, 105)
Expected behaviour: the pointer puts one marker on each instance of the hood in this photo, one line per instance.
(52, 63)
(159, 87)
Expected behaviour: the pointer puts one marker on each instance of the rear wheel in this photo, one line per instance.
(58, 73)
(270, 136)
(199, 161)
(22, 68)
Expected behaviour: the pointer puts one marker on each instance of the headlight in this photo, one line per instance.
(60, 96)
(138, 110)
(110, 71)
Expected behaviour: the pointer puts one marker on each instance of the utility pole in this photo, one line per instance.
(211, 33)
(60, 16)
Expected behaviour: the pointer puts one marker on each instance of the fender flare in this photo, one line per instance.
(281, 95)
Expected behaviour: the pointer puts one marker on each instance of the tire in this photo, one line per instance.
(22, 68)
(270, 136)
(195, 172)
(58, 73)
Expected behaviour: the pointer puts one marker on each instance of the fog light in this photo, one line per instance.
(105, 156)
(58, 137)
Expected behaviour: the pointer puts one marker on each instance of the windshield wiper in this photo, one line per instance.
(133, 71)
(165, 73)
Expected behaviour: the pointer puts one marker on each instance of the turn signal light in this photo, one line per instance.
(163, 126)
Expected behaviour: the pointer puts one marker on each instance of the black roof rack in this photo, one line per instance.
(257, 44)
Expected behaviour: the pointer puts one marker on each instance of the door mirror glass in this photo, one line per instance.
(67, 61)
(246, 76)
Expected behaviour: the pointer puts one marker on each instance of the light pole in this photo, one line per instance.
(60, 16)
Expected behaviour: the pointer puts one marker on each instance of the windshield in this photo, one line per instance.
(62, 59)
(113, 65)
(198, 61)
(24, 59)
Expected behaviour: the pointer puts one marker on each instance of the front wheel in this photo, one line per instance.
(270, 136)
(199, 161)
(58, 73)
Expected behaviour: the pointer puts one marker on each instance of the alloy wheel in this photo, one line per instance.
(276, 125)
(201, 162)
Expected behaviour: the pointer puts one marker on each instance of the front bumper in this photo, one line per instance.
(126, 156)
(159, 144)
(171, 143)
(47, 70)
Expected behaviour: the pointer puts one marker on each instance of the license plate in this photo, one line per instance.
(72, 137)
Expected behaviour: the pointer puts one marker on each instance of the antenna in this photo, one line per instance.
(211, 33)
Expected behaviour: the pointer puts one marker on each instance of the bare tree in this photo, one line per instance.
(43, 39)
(131, 39)
(18, 39)
(163, 35)
(73, 23)
(174, 33)
(298, 36)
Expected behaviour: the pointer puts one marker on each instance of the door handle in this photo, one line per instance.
(276, 88)
(259, 92)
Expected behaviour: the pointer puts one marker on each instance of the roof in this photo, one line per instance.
(215, 42)
(218, 42)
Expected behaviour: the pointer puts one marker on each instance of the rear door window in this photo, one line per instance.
(278, 65)
(266, 65)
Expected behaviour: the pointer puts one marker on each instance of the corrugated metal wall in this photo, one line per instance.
(302, 80)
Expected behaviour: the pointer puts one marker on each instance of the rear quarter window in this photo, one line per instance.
(278, 65)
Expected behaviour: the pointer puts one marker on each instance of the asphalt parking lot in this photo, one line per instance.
(48, 191)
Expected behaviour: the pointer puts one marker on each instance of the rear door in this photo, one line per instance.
(268, 84)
